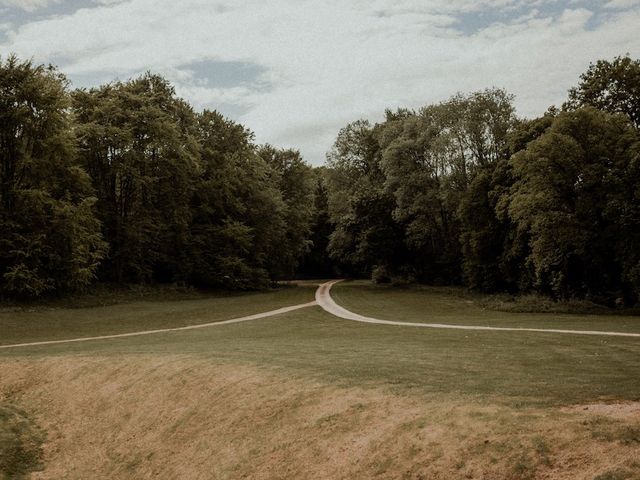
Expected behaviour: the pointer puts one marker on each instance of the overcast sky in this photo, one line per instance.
(296, 71)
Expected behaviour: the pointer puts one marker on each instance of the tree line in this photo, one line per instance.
(126, 183)
(465, 192)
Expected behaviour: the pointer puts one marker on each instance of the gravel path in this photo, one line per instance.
(324, 300)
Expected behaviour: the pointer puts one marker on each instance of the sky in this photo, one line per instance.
(296, 71)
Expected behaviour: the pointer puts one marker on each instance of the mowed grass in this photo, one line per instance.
(508, 367)
(448, 306)
(45, 323)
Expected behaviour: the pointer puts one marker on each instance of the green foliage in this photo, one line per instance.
(138, 143)
(482, 237)
(366, 233)
(188, 197)
(237, 210)
(430, 159)
(395, 188)
(178, 196)
(316, 262)
(380, 275)
(569, 190)
(414, 173)
(295, 181)
(50, 239)
(612, 86)
(465, 191)
(127, 183)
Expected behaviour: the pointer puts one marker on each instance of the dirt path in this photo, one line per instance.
(324, 300)
(165, 330)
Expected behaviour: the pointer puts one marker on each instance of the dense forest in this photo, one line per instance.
(466, 192)
(126, 183)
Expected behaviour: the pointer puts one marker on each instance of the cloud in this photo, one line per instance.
(622, 4)
(314, 66)
(27, 5)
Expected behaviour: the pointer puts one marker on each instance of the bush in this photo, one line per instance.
(380, 274)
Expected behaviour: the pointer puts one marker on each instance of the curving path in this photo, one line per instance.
(324, 300)
(165, 330)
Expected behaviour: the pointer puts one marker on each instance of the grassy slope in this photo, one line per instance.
(168, 416)
(437, 305)
(59, 323)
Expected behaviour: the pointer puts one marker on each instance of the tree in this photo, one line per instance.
(137, 141)
(482, 236)
(238, 222)
(494, 249)
(571, 185)
(49, 237)
(294, 178)
(430, 159)
(366, 236)
(612, 86)
(316, 262)
(414, 161)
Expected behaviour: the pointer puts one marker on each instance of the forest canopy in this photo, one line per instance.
(127, 183)
(465, 192)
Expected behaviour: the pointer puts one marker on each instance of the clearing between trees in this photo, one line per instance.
(305, 394)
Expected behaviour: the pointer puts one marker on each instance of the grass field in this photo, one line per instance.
(43, 323)
(309, 395)
(452, 306)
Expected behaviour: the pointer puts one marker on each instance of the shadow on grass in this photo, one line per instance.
(20, 444)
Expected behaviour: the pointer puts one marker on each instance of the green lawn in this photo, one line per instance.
(437, 305)
(529, 368)
(41, 323)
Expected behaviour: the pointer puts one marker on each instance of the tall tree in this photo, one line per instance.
(430, 159)
(612, 86)
(316, 262)
(294, 178)
(494, 249)
(571, 186)
(137, 141)
(366, 236)
(238, 221)
(49, 236)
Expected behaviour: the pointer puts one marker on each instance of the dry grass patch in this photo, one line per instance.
(178, 416)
